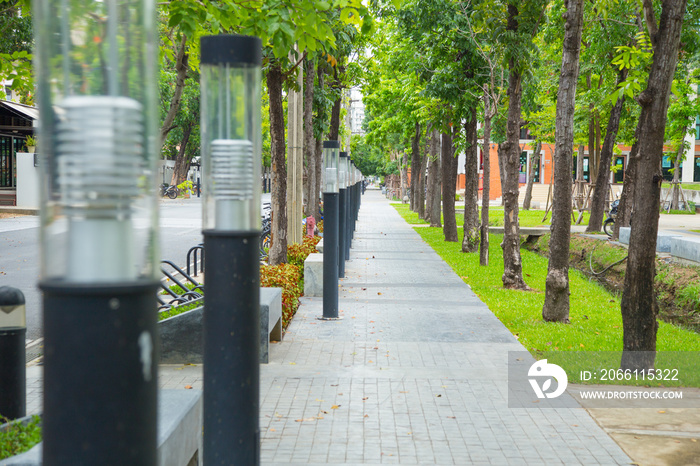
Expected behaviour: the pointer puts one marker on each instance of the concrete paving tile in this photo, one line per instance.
(414, 373)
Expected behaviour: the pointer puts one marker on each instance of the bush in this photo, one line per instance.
(19, 437)
(289, 277)
(297, 253)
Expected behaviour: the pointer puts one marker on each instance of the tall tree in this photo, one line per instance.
(415, 168)
(534, 169)
(449, 181)
(278, 250)
(600, 194)
(309, 145)
(556, 301)
(470, 241)
(639, 306)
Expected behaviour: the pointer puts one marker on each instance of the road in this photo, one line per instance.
(180, 229)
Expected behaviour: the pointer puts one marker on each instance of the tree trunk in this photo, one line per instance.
(434, 215)
(534, 160)
(309, 145)
(334, 130)
(420, 187)
(470, 242)
(404, 175)
(501, 154)
(278, 250)
(429, 158)
(318, 154)
(415, 168)
(181, 67)
(556, 299)
(485, 193)
(318, 141)
(182, 163)
(639, 306)
(624, 209)
(449, 188)
(600, 194)
(425, 160)
(675, 195)
(512, 263)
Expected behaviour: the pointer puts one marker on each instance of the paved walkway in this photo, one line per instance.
(415, 373)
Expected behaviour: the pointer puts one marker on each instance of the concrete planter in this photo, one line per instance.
(182, 339)
(179, 431)
(18, 459)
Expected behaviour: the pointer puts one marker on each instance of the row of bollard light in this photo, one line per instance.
(342, 193)
(97, 95)
(96, 92)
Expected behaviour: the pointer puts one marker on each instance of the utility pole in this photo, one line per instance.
(295, 158)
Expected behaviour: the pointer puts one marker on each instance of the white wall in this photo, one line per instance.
(165, 171)
(27, 181)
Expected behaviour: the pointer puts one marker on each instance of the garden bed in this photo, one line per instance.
(677, 286)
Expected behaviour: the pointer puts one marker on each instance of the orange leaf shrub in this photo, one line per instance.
(297, 253)
(289, 277)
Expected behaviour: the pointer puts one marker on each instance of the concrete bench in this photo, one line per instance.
(686, 247)
(182, 340)
(531, 232)
(663, 239)
(319, 246)
(313, 275)
(179, 432)
(270, 320)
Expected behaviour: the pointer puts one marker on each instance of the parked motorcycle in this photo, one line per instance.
(609, 224)
(168, 190)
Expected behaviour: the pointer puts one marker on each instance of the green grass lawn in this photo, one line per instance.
(528, 218)
(596, 323)
(691, 186)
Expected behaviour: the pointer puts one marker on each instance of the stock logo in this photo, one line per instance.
(542, 370)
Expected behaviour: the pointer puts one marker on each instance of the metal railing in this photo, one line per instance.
(172, 298)
(192, 259)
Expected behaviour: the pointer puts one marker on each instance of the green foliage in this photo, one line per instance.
(15, 49)
(19, 437)
(297, 253)
(289, 277)
(185, 186)
(180, 309)
(637, 59)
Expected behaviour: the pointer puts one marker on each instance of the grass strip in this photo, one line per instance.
(596, 322)
(528, 218)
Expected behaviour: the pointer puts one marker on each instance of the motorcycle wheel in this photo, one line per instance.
(172, 194)
(609, 226)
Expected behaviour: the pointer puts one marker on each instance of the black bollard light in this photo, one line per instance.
(343, 197)
(231, 155)
(348, 212)
(330, 230)
(13, 373)
(96, 91)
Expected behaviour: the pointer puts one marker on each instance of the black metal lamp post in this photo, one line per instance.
(13, 374)
(231, 156)
(353, 201)
(196, 163)
(330, 230)
(343, 198)
(96, 90)
(348, 213)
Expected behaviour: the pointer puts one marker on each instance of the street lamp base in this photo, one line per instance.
(329, 318)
